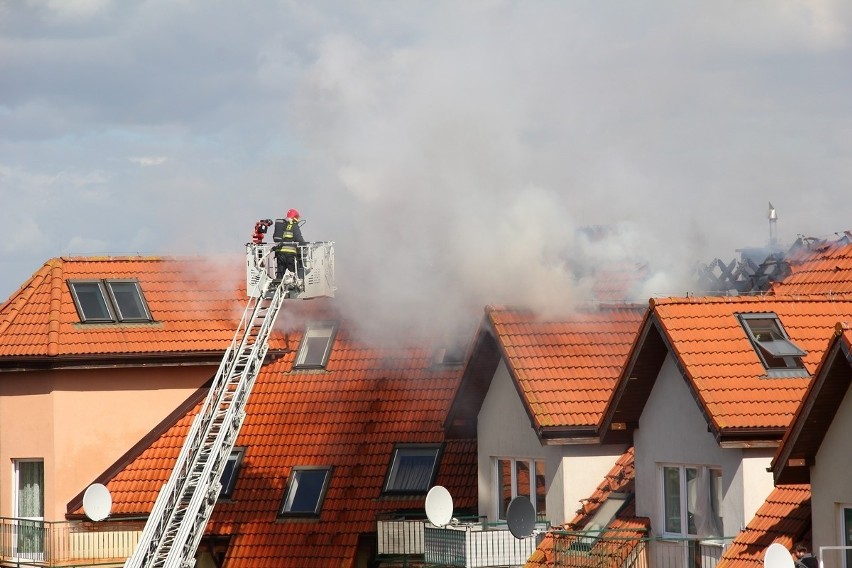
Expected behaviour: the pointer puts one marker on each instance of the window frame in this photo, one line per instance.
(845, 537)
(305, 345)
(295, 472)
(683, 499)
(779, 355)
(394, 467)
(500, 507)
(227, 489)
(110, 301)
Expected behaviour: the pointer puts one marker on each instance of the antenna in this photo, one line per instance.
(773, 219)
(520, 516)
(97, 502)
(777, 556)
(439, 506)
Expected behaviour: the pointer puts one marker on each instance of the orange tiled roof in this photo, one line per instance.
(195, 304)
(349, 416)
(785, 517)
(721, 367)
(566, 368)
(818, 268)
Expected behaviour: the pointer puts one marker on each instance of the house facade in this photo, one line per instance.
(95, 352)
(533, 393)
(816, 451)
(708, 393)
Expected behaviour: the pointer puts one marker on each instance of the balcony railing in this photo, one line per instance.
(469, 543)
(25, 542)
(632, 548)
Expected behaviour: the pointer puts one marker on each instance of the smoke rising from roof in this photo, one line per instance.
(455, 152)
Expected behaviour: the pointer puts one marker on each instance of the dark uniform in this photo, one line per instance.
(287, 251)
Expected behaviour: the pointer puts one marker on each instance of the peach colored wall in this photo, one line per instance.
(81, 421)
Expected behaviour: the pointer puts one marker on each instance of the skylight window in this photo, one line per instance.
(450, 355)
(412, 469)
(779, 355)
(316, 345)
(305, 492)
(109, 301)
(232, 469)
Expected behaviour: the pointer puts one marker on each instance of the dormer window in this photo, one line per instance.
(316, 345)
(109, 301)
(779, 355)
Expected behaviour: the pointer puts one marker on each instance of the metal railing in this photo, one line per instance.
(25, 542)
(633, 548)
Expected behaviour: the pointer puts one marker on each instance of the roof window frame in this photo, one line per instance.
(778, 354)
(110, 300)
(293, 484)
(227, 490)
(395, 465)
(305, 359)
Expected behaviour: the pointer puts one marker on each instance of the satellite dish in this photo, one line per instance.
(520, 516)
(439, 506)
(777, 556)
(97, 502)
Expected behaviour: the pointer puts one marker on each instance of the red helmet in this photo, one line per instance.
(292, 214)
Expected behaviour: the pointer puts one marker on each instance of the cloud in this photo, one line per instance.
(455, 152)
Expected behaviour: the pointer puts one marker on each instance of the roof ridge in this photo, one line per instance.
(55, 313)
(789, 297)
(22, 295)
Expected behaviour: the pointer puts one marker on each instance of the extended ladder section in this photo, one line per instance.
(185, 503)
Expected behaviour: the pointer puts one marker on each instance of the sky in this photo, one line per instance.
(453, 151)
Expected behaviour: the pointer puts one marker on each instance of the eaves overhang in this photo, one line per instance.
(113, 361)
(819, 406)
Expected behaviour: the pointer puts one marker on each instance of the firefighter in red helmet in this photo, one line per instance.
(287, 251)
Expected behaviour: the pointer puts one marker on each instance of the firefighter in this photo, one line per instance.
(287, 251)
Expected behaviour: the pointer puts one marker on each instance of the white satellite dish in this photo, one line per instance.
(97, 502)
(520, 516)
(439, 506)
(777, 556)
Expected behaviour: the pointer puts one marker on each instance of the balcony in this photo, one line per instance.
(465, 544)
(631, 548)
(67, 543)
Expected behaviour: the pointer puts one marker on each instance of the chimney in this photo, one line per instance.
(773, 219)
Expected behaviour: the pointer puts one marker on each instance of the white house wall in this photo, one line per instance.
(830, 486)
(504, 430)
(673, 430)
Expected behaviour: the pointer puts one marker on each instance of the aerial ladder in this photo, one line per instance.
(183, 507)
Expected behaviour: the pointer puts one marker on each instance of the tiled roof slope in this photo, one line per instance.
(820, 404)
(785, 517)
(819, 267)
(722, 368)
(625, 530)
(566, 368)
(195, 304)
(348, 417)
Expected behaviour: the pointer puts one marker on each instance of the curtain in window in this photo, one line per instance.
(705, 499)
(31, 489)
(414, 473)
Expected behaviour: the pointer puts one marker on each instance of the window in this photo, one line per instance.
(692, 497)
(229, 475)
(412, 469)
(305, 491)
(316, 345)
(778, 354)
(29, 508)
(450, 355)
(846, 537)
(517, 477)
(108, 301)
